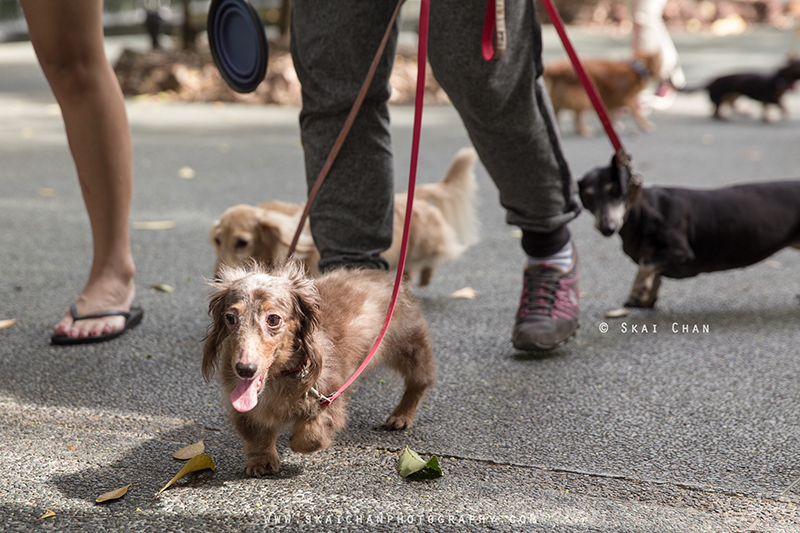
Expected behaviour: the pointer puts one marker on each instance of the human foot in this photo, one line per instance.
(108, 293)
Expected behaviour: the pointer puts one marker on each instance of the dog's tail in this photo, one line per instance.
(454, 195)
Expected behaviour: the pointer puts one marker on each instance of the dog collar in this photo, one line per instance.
(296, 370)
(640, 68)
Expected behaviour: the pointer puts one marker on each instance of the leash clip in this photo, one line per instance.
(321, 398)
(625, 162)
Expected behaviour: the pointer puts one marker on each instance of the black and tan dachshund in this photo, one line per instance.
(765, 88)
(680, 233)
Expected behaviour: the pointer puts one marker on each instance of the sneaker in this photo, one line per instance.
(549, 308)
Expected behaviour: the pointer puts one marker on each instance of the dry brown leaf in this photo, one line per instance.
(48, 514)
(467, 292)
(113, 495)
(187, 452)
(198, 462)
(155, 225)
(617, 313)
(7, 323)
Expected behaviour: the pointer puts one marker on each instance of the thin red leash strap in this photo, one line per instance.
(591, 90)
(348, 123)
(493, 40)
(422, 54)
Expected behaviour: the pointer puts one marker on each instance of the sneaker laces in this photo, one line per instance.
(540, 291)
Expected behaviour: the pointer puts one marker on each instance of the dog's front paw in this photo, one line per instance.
(261, 466)
(398, 422)
(640, 302)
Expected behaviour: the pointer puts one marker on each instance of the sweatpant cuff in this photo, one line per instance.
(545, 244)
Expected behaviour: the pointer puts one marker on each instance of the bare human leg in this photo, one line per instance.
(68, 40)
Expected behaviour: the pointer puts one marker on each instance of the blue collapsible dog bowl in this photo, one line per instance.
(238, 43)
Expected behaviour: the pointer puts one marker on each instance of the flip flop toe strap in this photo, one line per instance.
(73, 310)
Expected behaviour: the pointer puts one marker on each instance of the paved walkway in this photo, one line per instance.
(667, 430)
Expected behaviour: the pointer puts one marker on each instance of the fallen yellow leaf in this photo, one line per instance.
(7, 323)
(186, 173)
(48, 514)
(113, 495)
(155, 225)
(163, 287)
(198, 462)
(187, 452)
(467, 292)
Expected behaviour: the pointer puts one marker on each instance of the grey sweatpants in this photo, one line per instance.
(503, 105)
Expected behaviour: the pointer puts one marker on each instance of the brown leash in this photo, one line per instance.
(348, 123)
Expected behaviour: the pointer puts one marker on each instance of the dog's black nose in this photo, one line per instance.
(608, 230)
(246, 371)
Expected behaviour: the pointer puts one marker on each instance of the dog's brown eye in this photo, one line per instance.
(230, 318)
(273, 321)
(216, 240)
(241, 243)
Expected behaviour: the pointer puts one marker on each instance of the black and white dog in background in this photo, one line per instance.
(679, 233)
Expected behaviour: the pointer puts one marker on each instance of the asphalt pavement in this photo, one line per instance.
(685, 418)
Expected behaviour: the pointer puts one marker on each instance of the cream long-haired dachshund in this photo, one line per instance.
(443, 226)
(276, 333)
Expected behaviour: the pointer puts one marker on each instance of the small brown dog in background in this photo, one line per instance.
(443, 226)
(618, 82)
(276, 333)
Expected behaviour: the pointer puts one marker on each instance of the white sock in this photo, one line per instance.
(561, 259)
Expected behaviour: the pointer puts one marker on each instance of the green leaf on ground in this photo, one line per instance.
(412, 466)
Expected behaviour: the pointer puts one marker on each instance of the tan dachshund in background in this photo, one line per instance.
(618, 82)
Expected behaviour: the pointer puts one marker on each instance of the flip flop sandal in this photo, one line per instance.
(132, 318)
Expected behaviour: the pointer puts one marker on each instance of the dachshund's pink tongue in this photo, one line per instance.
(245, 396)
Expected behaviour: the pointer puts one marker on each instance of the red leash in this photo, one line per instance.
(623, 158)
(586, 81)
(494, 39)
(422, 54)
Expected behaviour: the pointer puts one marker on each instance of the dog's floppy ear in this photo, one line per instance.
(284, 226)
(212, 236)
(217, 331)
(306, 302)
